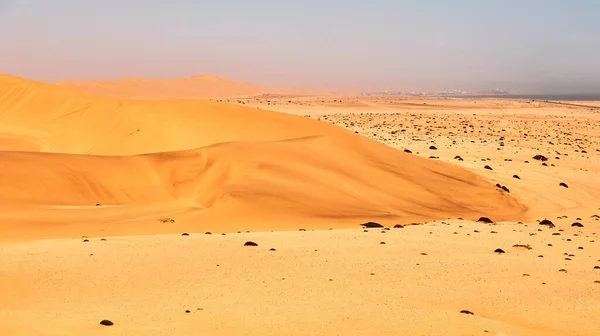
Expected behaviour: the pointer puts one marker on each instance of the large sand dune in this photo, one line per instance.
(197, 87)
(119, 163)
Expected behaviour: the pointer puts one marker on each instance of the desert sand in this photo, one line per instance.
(202, 86)
(106, 204)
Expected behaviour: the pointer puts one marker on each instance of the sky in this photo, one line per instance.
(540, 46)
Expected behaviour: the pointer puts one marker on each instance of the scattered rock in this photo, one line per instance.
(547, 223)
(540, 158)
(576, 224)
(372, 225)
(485, 220)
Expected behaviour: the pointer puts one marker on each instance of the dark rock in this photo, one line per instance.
(485, 220)
(488, 168)
(250, 243)
(517, 177)
(540, 158)
(432, 147)
(106, 323)
(408, 151)
(185, 234)
(466, 312)
(499, 251)
(548, 223)
(563, 184)
(372, 225)
(576, 224)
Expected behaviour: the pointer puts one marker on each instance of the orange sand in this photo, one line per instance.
(232, 168)
(196, 87)
(75, 168)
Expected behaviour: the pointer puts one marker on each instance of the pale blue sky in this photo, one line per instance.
(534, 45)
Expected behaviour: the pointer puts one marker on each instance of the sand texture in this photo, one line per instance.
(201, 86)
(96, 192)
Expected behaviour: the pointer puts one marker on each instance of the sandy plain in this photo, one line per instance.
(96, 193)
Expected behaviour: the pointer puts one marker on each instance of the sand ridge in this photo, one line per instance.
(202, 86)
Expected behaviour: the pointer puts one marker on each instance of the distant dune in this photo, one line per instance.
(202, 86)
(117, 166)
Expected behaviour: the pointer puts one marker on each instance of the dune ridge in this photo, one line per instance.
(215, 165)
(202, 86)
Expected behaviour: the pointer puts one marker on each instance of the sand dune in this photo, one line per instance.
(216, 165)
(55, 119)
(105, 178)
(202, 86)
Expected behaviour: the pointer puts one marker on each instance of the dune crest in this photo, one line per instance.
(118, 164)
(201, 86)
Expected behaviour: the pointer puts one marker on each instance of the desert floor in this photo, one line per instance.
(319, 276)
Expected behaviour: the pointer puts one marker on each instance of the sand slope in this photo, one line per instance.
(199, 86)
(230, 168)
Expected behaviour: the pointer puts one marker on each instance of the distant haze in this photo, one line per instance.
(541, 46)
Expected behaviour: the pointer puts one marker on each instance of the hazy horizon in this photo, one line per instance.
(534, 46)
